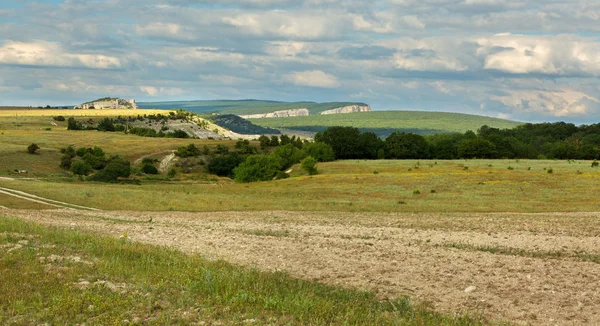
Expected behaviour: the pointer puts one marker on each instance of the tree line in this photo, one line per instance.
(558, 140)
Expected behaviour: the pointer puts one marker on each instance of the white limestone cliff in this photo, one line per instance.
(279, 114)
(348, 109)
(108, 103)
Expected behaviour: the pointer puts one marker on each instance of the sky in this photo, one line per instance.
(526, 60)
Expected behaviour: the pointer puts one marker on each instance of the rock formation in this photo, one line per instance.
(279, 114)
(108, 103)
(349, 109)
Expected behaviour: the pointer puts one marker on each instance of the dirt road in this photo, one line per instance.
(524, 268)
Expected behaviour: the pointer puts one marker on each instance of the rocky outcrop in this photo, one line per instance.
(279, 114)
(349, 109)
(108, 103)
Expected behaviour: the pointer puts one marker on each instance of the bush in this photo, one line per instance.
(73, 124)
(319, 151)
(96, 162)
(309, 165)
(595, 164)
(106, 124)
(117, 167)
(81, 168)
(32, 149)
(188, 151)
(257, 168)
(172, 173)
(59, 118)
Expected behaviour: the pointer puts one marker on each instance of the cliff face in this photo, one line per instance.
(349, 109)
(108, 103)
(279, 114)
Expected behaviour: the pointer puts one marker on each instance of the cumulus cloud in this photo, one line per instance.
(49, 54)
(561, 55)
(313, 78)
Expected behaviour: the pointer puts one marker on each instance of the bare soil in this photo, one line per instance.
(548, 277)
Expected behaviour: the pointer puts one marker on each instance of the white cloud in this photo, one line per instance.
(557, 103)
(554, 55)
(49, 54)
(313, 78)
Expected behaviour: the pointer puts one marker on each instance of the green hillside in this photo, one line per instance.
(243, 107)
(385, 122)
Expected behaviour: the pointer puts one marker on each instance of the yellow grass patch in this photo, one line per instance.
(78, 113)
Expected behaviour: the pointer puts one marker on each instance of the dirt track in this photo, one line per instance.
(550, 275)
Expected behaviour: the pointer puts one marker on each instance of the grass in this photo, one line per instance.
(384, 122)
(67, 277)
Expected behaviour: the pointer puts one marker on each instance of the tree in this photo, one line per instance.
(264, 142)
(288, 155)
(149, 168)
(345, 142)
(257, 168)
(188, 151)
(319, 151)
(32, 149)
(476, 148)
(309, 165)
(400, 145)
(274, 141)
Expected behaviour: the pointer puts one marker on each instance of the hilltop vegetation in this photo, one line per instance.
(243, 107)
(240, 125)
(383, 123)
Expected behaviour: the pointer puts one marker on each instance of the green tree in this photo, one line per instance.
(264, 142)
(476, 148)
(224, 165)
(400, 145)
(257, 168)
(288, 155)
(320, 151)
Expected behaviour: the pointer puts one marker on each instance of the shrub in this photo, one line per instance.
(149, 169)
(416, 192)
(257, 168)
(106, 124)
(224, 165)
(172, 173)
(32, 149)
(595, 164)
(96, 162)
(59, 118)
(309, 165)
(73, 124)
(550, 170)
(81, 168)
(188, 151)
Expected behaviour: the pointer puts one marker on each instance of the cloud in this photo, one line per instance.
(313, 78)
(556, 103)
(49, 54)
(562, 55)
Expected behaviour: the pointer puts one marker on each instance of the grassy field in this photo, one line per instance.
(66, 277)
(16, 113)
(355, 186)
(384, 122)
(243, 106)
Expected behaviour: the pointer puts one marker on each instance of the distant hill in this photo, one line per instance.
(385, 122)
(245, 107)
(241, 126)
